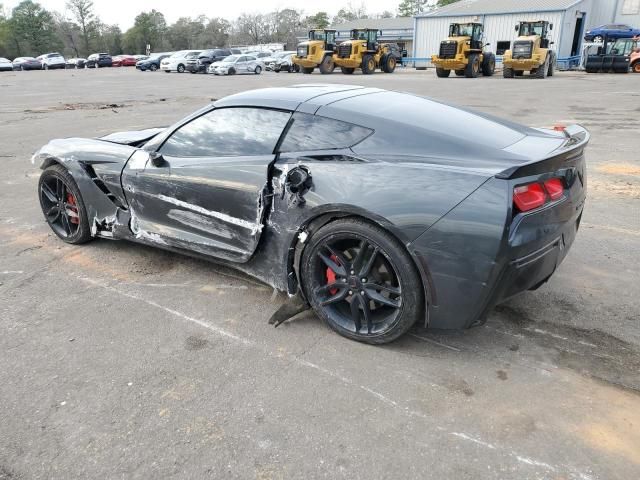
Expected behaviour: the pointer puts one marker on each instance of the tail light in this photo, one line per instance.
(535, 195)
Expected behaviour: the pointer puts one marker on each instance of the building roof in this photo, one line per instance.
(488, 7)
(397, 23)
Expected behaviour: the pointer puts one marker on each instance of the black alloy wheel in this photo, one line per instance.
(180, 68)
(361, 282)
(62, 205)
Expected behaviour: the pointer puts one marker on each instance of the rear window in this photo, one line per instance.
(311, 132)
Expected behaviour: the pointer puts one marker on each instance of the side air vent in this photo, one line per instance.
(100, 184)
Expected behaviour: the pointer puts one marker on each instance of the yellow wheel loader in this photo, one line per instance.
(531, 51)
(316, 52)
(365, 52)
(463, 52)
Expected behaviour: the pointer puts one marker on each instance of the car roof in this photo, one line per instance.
(290, 97)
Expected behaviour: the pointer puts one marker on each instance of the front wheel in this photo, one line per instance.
(361, 281)
(153, 67)
(368, 64)
(181, 68)
(307, 70)
(327, 65)
(472, 70)
(258, 70)
(442, 72)
(62, 205)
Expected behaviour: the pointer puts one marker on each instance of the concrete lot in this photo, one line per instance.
(121, 361)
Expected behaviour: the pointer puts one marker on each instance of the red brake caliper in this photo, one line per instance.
(71, 200)
(331, 276)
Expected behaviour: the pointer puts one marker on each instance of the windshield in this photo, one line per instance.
(462, 30)
(230, 59)
(360, 35)
(528, 29)
(316, 35)
(622, 46)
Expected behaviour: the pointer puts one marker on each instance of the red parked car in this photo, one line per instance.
(124, 61)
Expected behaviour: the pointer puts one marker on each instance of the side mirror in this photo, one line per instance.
(487, 44)
(551, 26)
(517, 27)
(552, 43)
(157, 160)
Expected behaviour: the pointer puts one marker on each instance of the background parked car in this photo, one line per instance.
(5, 65)
(140, 57)
(98, 60)
(237, 64)
(285, 64)
(50, 61)
(76, 62)
(123, 61)
(178, 61)
(206, 58)
(152, 62)
(272, 59)
(611, 32)
(26, 63)
(260, 55)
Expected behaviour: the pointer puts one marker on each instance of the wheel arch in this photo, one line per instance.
(311, 225)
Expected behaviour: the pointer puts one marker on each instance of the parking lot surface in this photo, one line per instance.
(122, 361)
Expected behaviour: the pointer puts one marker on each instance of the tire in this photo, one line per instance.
(153, 67)
(180, 68)
(507, 72)
(347, 70)
(635, 66)
(472, 70)
(488, 64)
(459, 73)
(78, 230)
(552, 65)
(368, 64)
(258, 70)
(542, 70)
(381, 306)
(518, 73)
(307, 70)
(21, 68)
(442, 73)
(388, 63)
(45, 67)
(327, 65)
(231, 71)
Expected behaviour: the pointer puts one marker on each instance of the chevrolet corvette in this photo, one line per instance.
(378, 209)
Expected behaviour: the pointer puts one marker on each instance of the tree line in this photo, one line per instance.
(31, 30)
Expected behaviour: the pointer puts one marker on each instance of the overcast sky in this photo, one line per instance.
(123, 12)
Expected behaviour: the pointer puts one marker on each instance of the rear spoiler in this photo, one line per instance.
(577, 139)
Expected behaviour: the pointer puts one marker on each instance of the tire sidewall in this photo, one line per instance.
(408, 277)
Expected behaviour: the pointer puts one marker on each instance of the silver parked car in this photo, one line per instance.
(237, 64)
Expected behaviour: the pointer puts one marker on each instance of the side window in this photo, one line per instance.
(502, 46)
(311, 132)
(228, 132)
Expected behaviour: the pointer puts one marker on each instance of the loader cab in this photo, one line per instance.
(328, 37)
(472, 30)
(368, 35)
(540, 28)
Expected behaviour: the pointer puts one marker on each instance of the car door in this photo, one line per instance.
(206, 191)
(241, 64)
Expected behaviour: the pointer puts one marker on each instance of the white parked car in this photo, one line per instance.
(178, 61)
(237, 64)
(5, 65)
(50, 61)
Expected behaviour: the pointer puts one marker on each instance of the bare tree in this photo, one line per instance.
(83, 12)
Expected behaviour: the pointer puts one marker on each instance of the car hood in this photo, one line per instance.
(133, 137)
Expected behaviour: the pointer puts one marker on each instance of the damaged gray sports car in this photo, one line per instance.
(378, 209)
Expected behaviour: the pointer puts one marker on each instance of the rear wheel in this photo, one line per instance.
(442, 72)
(368, 64)
(231, 71)
(472, 70)
(258, 70)
(552, 65)
(180, 68)
(361, 282)
(62, 205)
(488, 64)
(635, 67)
(507, 72)
(153, 67)
(327, 65)
(347, 70)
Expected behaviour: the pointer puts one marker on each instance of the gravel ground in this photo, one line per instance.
(121, 361)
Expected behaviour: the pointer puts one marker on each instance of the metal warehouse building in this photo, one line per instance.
(570, 18)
